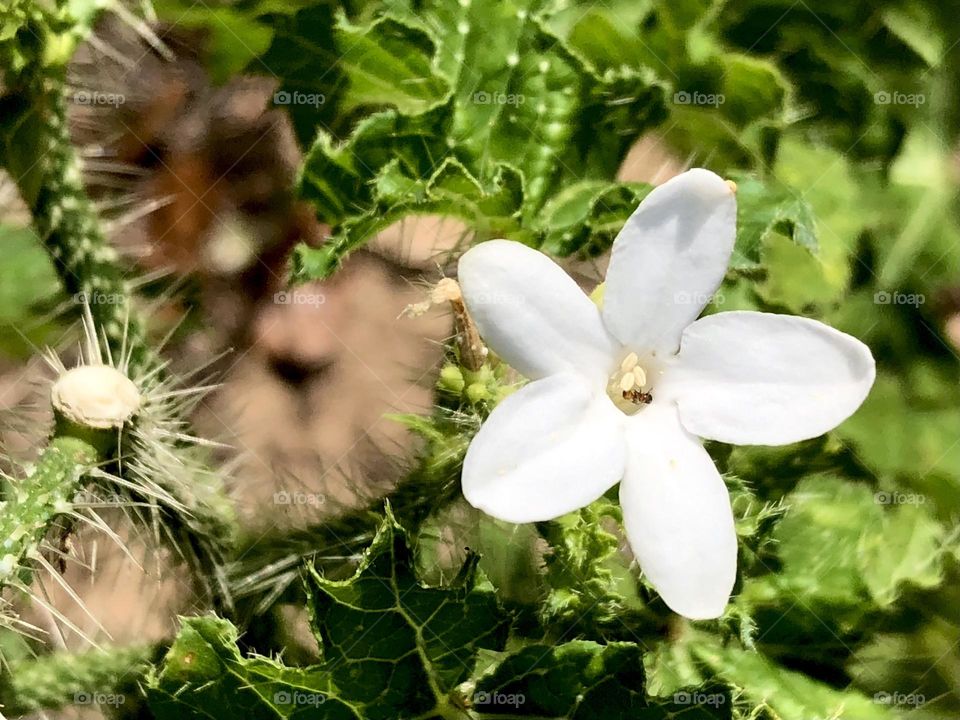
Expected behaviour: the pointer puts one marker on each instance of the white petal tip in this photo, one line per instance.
(705, 183)
(698, 608)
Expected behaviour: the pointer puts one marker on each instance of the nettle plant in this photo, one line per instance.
(783, 430)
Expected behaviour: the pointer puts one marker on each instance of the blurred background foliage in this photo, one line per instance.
(839, 122)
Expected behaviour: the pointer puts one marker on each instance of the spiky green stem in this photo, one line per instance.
(38, 153)
(36, 43)
(53, 681)
(38, 499)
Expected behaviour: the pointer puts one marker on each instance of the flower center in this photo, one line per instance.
(631, 386)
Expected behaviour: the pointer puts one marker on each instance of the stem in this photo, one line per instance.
(37, 151)
(67, 224)
(37, 500)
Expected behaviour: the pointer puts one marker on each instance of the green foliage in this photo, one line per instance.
(486, 127)
(783, 693)
(391, 647)
(841, 543)
(838, 122)
(56, 680)
(584, 680)
(580, 581)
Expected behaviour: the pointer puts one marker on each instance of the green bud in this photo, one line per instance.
(483, 376)
(451, 380)
(477, 392)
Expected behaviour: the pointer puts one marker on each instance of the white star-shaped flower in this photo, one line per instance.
(625, 393)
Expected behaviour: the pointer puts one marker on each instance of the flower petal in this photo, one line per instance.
(677, 516)
(550, 448)
(531, 313)
(668, 260)
(751, 378)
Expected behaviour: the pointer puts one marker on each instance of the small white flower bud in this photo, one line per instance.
(95, 396)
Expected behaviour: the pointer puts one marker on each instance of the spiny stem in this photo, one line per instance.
(67, 223)
(36, 149)
(38, 499)
(38, 153)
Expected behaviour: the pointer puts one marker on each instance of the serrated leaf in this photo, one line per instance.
(389, 63)
(525, 113)
(795, 278)
(764, 209)
(392, 648)
(905, 547)
(587, 215)
(204, 675)
(817, 541)
(584, 680)
(581, 592)
(390, 642)
(786, 694)
(489, 209)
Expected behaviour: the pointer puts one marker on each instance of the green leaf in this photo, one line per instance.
(587, 215)
(583, 680)
(392, 648)
(764, 209)
(795, 277)
(819, 537)
(786, 694)
(843, 544)
(911, 23)
(234, 36)
(389, 63)
(29, 288)
(204, 675)
(752, 89)
(490, 209)
(392, 643)
(528, 119)
(905, 547)
(895, 667)
(580, 583)
(927, 458)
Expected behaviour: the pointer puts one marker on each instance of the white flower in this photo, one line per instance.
(625, 393)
